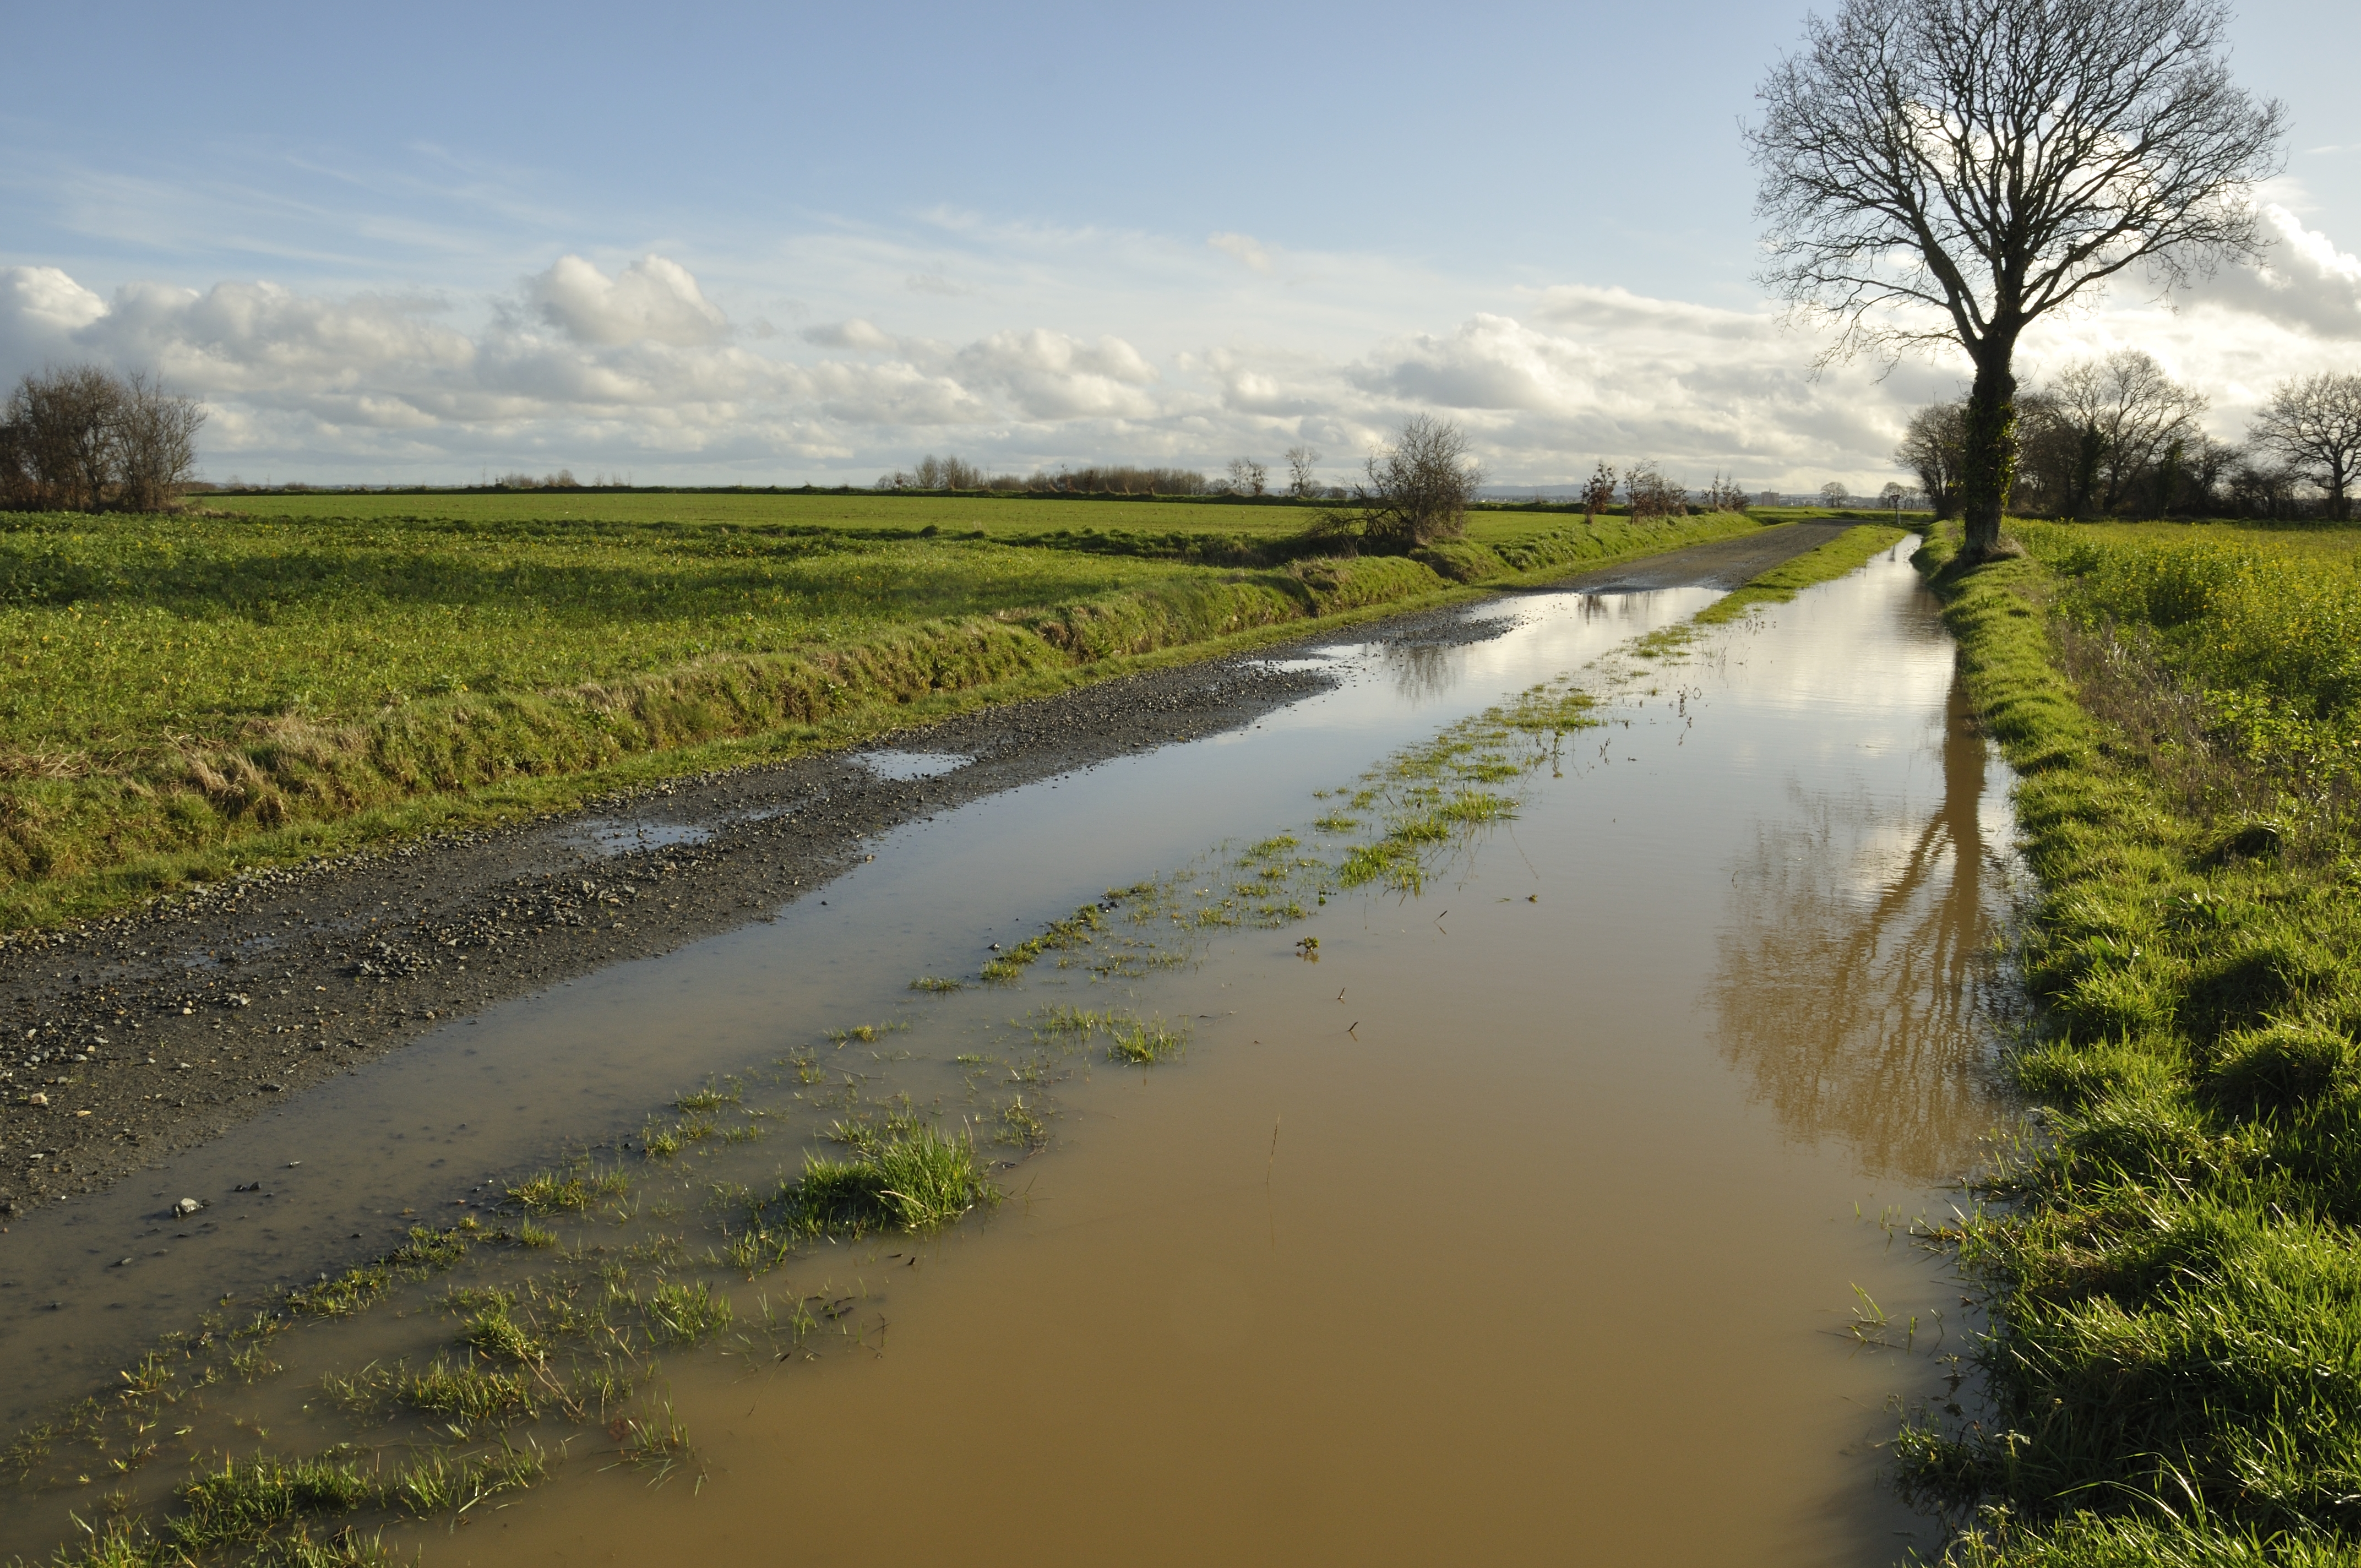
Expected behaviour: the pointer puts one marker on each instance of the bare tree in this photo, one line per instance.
(1302, 482)
(932, 473)
(1932, 449)
(1949, 171)
(1833, 493)
(2314, 427)
(156, 444)
(2119, 414)
(2203, 463)
(1248, 478)
(63, 423)
(1598, 493)
(1417, 491)
(2263, 490)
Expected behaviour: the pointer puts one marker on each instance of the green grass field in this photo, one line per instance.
(2170, 1252)
(887, 511)
(180, 697)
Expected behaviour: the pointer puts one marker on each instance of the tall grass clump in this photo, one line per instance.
(2173, 1263)
(911, 1179)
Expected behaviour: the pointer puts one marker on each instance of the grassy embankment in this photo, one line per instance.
(181, 697)
(2175, 1284)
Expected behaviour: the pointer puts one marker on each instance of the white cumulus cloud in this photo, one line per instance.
(641, 370)
(651, 300)
(2305, 281)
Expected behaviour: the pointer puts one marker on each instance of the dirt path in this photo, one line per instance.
(129, 1038)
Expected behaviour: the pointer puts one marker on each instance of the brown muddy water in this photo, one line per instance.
(1552, 1209)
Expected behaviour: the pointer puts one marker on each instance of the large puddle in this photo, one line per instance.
(1553, 1206)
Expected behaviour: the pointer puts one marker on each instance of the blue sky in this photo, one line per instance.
(721, 244)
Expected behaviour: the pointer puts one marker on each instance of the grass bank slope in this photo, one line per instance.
(181, 697)
(2175, 1362)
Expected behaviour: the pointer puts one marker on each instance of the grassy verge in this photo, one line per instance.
(2175, 1362)
(179, 698)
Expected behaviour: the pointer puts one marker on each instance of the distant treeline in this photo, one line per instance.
(2118, 437)
(1248, 480)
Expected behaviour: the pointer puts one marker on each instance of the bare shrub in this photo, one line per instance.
(1124, 479)
(61, 423)
(935, 473)
(1302, 482)
(1599, 492)
(1723, 493)
(1650, 493)
(1416, 492)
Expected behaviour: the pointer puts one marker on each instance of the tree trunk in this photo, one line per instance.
(1988, 467)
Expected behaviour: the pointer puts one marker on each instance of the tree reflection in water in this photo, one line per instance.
(1422, 664)
(1855, 984)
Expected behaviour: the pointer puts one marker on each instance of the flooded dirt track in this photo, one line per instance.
(151, 1033)
(1547, 1210)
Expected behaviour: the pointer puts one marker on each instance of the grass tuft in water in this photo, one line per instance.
(712, 1097)
(577, 1187)
(1021, 1127)
(1143, 1042)
(246, 1502)
(914, 1181)
(464, 1392)
(684, 1313)
(653, 1439)
(1074, 931)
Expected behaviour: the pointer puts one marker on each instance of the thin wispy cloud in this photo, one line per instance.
(1245, 247)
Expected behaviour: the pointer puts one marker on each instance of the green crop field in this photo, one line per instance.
(1014, 516)
(2286, 540)
(181, 696)
(884, 511)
